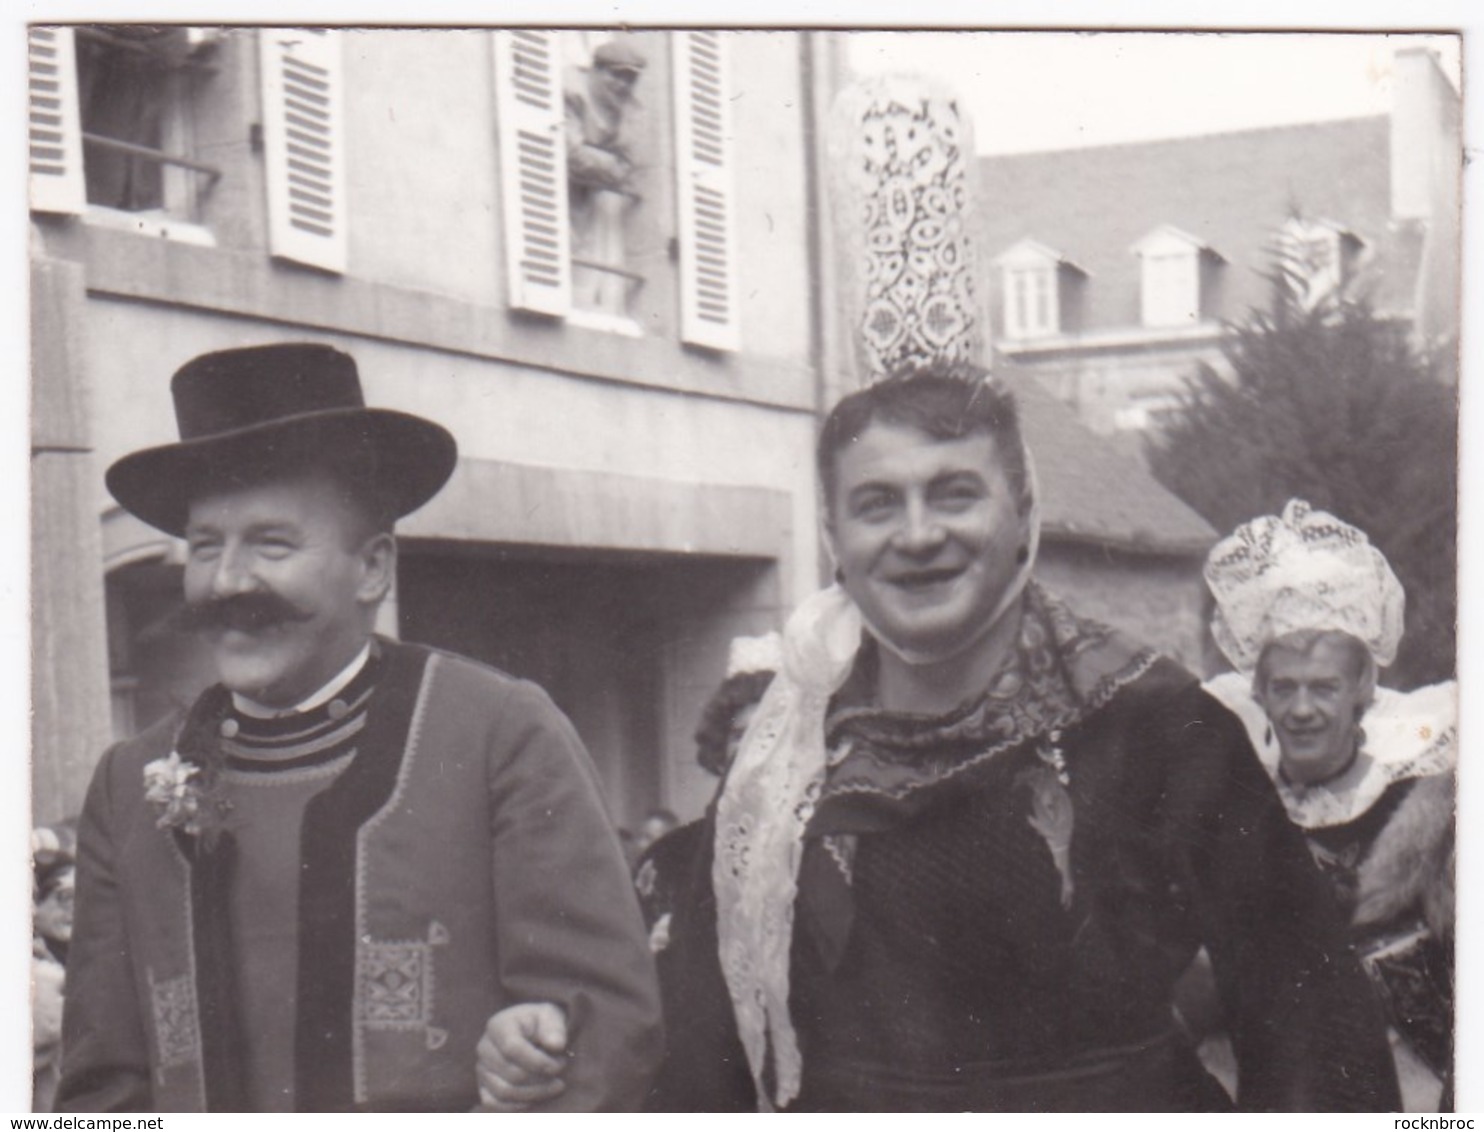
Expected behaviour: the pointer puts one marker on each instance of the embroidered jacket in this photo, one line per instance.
(462, 862)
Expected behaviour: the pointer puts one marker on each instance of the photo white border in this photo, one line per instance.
(1276, 15)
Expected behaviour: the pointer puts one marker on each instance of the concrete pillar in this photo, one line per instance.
(1424, 126)
(1426, 184)
(70, 718)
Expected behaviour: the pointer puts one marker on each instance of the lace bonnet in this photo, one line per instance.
(755, 654)
(1304, 569)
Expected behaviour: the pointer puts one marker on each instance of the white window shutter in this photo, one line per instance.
(705, 193)
(533, 169)
(55, 135)
(304, 145)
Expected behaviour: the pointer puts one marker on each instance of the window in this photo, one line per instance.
(600, 104)
(113, 122)
(567, 106)
(112, 112)
(1032, 306)
(1170, 277)
(1038, 289)
(574, 143)
(136, 86)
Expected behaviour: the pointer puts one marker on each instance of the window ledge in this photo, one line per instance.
(602, 320)
(1113, 338)
(150, 223)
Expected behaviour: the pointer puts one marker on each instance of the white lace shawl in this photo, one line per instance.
(760, 819)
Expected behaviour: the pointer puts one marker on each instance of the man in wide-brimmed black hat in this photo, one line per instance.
(356, 874)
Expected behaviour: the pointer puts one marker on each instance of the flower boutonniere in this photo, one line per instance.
(184, 786)
(169, 789)
(178, 792)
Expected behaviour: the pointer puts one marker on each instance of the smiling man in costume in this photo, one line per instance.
(357, 874)
(1308, 612)
(972, 839)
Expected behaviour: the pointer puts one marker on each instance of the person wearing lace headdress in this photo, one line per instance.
(1307, 611)
(971, 838)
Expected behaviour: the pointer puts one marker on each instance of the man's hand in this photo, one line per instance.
(521, 1056)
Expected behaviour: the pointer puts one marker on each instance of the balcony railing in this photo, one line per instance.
(158, 157)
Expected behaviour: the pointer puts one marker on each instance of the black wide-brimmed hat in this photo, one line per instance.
(244, 414)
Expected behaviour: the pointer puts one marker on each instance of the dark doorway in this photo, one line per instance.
(614, 639)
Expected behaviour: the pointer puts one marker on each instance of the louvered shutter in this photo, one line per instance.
(55, 136)
(304, 145)
(705, 194)
(533, 169)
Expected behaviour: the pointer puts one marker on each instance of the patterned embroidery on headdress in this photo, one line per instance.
(903, 159)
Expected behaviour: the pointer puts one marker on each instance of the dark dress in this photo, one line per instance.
(662, 869)
(1381, 833)
(945, 957)
(1411, 966)
(660, 877)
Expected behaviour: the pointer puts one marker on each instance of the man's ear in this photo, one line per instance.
(378, 569)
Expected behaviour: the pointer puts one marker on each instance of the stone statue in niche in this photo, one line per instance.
(600, 172)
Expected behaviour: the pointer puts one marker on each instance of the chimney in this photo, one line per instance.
(1424, 132)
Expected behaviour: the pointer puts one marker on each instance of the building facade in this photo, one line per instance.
(1116, 268)
(633, 487)
(624, 309)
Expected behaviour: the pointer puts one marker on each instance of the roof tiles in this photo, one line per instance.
(1091, 491)
(1231, 191)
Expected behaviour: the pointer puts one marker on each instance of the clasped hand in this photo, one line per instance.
(522, 1056)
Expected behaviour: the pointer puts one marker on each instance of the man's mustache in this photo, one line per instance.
(245, 612)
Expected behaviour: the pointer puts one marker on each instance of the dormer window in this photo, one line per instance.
(1030, 309)
(1319, 258)
(1175, 265)
(1035, 285)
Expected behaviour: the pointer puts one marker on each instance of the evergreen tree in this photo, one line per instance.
(1331, 403)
